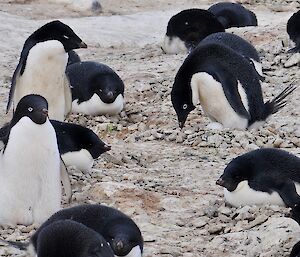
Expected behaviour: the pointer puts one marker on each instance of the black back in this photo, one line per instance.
(235, 42)
(68, 238)
(112, 224)
(227, 67)
(89, 78)
(54, 30)
(72, 137)
(73, 57)
(293, 29)
(233, 15)
(192, 25)
(264, 169)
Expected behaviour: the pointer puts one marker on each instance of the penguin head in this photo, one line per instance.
(71, 239)
(107, 86)
(236, 171)
(123, 235)
(33, 106)
(94, 145)
(56, 30)
(182, 103)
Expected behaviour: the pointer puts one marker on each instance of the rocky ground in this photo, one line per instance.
(161, 176)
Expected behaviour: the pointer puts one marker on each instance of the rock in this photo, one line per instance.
(293, 60)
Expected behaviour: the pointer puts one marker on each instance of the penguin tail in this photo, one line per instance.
(19, 245)
(278, 102)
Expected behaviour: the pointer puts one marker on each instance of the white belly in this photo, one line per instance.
(95, 106)
(174, 46)
(81, 160)
(209, 93)
(135, 252)
(244, 195)
(44, 75)
(30, 188)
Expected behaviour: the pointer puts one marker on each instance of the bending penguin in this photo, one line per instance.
(30, 151)
(233, 15)
(239, 45)
(80, 240)
(42, 65)
(78, 146)
(264, 176)
(226, 86)
(96, 89)
(187, 28)
(122, 234)
(293, 29)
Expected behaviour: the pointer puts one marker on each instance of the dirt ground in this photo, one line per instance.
(161, 176)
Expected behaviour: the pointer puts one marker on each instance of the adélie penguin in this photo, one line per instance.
(118, 229)
(293, 29)
(78, 146)
(187, 28)
(42, 65)
(96, 89)
(233, 15)
(66, 238)
(263, 176)
(30, 166)
(227, 87)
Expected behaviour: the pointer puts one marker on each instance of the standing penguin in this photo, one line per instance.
(118, 229)
(239, 45)
(96, 89)
(226, 86)
(42, 65)
(30, 152)
(187, 28)
(78, 146)
(260, 177)
(293, 29)
(233, 15)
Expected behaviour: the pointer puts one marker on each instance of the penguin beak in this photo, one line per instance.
(220, 182)
(119, 246)
(45, 112)
(82, 45)
(106, 148)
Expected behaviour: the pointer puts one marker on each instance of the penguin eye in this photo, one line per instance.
(186, 23)
(100, 90)
(66, 37)
(30, 109)
(184, 106)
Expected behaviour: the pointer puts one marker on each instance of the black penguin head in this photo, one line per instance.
(68, 238)
(182, 102)
(236, 171)
(123, 234)
(107, 86)
(33, 106)
(94, 145)
(56, 30)
(193, 25)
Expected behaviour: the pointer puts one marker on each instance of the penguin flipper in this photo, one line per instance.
(288, 193)
(230, 88)
(68, 95)
(14, 81)
(4, 132)
(65, 179)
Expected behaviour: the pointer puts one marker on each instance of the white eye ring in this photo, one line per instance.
(184, 106)
(100, 90)
(66, 37)
(30, 109)
(186, 23)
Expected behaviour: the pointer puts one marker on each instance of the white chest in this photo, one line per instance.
(209, 93)
(244, 195)
(135, 252)
(174, 45)
(95, 106)
(44, 75)
(82, 160)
